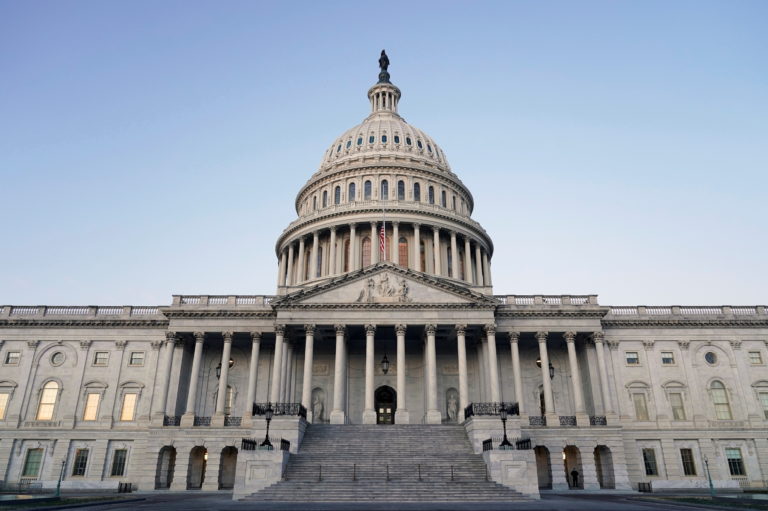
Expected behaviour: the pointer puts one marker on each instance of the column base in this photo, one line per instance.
(402, 417)
(217, 421)
(247, 422)
(187, 420)
(434, 417)
(158, 418)
(369, 417)
(582, 420)
(553, 421)
(338, 417)
(611, 419)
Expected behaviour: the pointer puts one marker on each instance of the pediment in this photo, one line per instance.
(386, 284)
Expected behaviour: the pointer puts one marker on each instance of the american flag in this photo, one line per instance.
(382, 241)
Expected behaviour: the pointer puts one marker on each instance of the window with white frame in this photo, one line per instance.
(632, 358)
(12, 358)
(763, 396)
(720, 400)
(80, 463)
(32, 463)
(649, 460)
(686, 458)
(101, 358)
(47, 404)
(755, 358)
(5, 398)
(667, 358)
(735, 461)
(136, 358)
(678, 408)
(92, 400)
(641, 406)
(119, 459)
(128, 410)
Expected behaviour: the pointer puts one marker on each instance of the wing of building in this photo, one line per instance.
(384, 314)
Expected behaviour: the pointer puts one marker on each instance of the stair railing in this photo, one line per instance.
(451, 472)
(320, 473)
(418, 467)
(354, 472)
(387, 471)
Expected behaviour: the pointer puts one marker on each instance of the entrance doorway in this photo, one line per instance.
(385, 399)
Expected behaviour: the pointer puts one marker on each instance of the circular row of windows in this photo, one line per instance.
(384, 139)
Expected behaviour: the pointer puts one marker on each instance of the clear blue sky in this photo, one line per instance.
(150, 148)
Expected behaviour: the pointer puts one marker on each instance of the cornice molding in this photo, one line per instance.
(84, 323)
(222, 313)
(686, 323)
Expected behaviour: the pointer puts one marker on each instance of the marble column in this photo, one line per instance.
(226, 352)
(306, 390)
(478, 265)
(289, 277)
(578, 395)
(395, 245)
(313, 263)
(189, 413)
(493, 364)
(433, 413)
(281, 269)
(401, 412)
(301, 263)
(602, 369)
(353, 258)
(332, 253)
(454, 257)
(467, 261)
(436, 249)
(486, 270)
(549, 401)
(369, 413)
(461, 343)
(285, 368)
(162, 402)
(416, 248)
(338, 415)
(277, 364)
(375, 249)
(514, 337)
(253, 369)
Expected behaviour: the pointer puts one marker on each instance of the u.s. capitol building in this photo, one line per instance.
(376, 329)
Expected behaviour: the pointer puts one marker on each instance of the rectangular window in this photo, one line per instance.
(4, 398)
(32, 463)
(118, 462)
(755, 358)
(686, 456)
(632, 358)
(137, 358)
(641, 409)
(101, 358)
(12, 358)
(129, 407)
(81, 461)
(764, 402)
(735, 463)
(678, 410)
(649, 459)
(667, 358)
(91, 406)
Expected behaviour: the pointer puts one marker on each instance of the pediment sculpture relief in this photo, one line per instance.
(384, 291)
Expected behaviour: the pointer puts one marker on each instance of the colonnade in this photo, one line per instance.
(338, 249)
(282, 378)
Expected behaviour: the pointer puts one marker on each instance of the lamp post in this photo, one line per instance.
(218, 368)
(505, 443)
(385, 364)
(709, 477)
(61, 475)
(551, 368)
(267, 415)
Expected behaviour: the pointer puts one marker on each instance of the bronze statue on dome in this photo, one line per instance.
(384, 65)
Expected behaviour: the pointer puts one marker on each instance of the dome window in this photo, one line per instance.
(408, 141)
(349, 143)
(431, 195)
(418, 143)
(371, 139)
(397, 139)
(401, 190)
(367, 190)
(417, 192)
(337, 195)
(383, 139)
(443, 200)
(429, 148)
(384, 191)
(325, 198)
(360, 141)
(351, 195)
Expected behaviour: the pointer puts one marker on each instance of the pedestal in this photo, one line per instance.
(582, 420)
(434, 417)
(217, 421)
(402, 417)
(338, 417)
(187, 420)
(369, 417)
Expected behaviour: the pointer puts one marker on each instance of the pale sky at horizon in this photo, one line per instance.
(156, 148)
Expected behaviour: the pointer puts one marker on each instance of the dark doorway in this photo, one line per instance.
(166, 462)
(385, 399)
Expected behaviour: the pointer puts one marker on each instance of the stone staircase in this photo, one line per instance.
(394, 463)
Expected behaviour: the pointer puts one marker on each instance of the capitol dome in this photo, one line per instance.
(383, 171)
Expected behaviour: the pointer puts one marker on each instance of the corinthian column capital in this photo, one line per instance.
(400, 329)
(309, 329)
(461, 329)
(514, 336)
(542, 336)
(569, 336)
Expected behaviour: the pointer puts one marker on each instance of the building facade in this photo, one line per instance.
(384, 261)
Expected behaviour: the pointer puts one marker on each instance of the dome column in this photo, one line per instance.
(281, 268)
(289, 273)
(467, 260)
(454, 257)
(395, 248)
(374, 244)
(401, 412)
(353, 248)
(332, 253)
(478, 265)
(433, 413)
(313, 262)
(486, 269)
(369, 414)
(301, 276)
(338, 416)
(436, 250)
(416, 247)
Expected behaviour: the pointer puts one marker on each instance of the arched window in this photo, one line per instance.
(384, 192)
(307, 260)
(454, 203)
(367, 191)
(366, 251)
(417, 192)
(402, 252)
(450, 262)
(346, 255)
(337, 195)
(401, 190)
(319, 261)
(351, 195)
(325, 198)
(443, 199)
(314, 203)
(720, 400)
(431, 194)
(48, 398)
